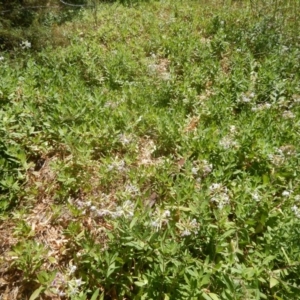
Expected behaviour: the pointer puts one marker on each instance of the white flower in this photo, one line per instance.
(232, 129)
(166, 214)
(25, 45)
(245, 99)
(294, 208)
(288, 115)
(285, 193)
(74, 285)
(185, 232)
(160, 218)
(207, 168)
(188, 227)
(119, 165)
(103, 212)
(224, 198)
(194, 223)
(1, 58)
(267, 105)
(72, 269)
(219, 195)
(195, 170)
(166, 76)
(227, 142)
(124, 139)
(155, 224)
(80, 204)
(126, 210)
(215, 186)
(118, 213)
(261, 107)
(110, 167)
(152, 68)
(255, 196)
(79, 282)
(132, 189)
(220, 205)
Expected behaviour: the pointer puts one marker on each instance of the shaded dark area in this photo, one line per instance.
(22, 20)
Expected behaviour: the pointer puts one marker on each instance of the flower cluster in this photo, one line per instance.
(159, 67)
(246, 98)
(188, 227)
(126, 209)
(66, 284)
(281, 154)
(228, 142)
(118, 165)
(219, 195)
(132, 189)
(160, 218)
(261, 107)
(288, 115)
(296, 211)
(124, 139)
(202, 167)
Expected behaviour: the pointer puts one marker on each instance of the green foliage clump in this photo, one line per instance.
(154, 157)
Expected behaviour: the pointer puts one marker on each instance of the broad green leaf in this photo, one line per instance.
(205, 279)
(166, 297)
(206, 297)
(36, 293)
(141, 283)
(266, 179)
(95, 295)
(273, 282)
(213, 296)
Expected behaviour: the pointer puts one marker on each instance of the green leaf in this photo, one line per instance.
(266, 179)
(205, 279)
(111, 269)
(141, 283)
(213, 296)
(287, 258)
(52, 259)
(133, 222)
(228, 233)
(95, 295)
(273, 282)
(36, 293)
(206, 297)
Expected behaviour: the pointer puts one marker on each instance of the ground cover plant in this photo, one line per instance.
(154, 155)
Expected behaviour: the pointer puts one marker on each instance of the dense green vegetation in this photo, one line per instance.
(152, 152)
